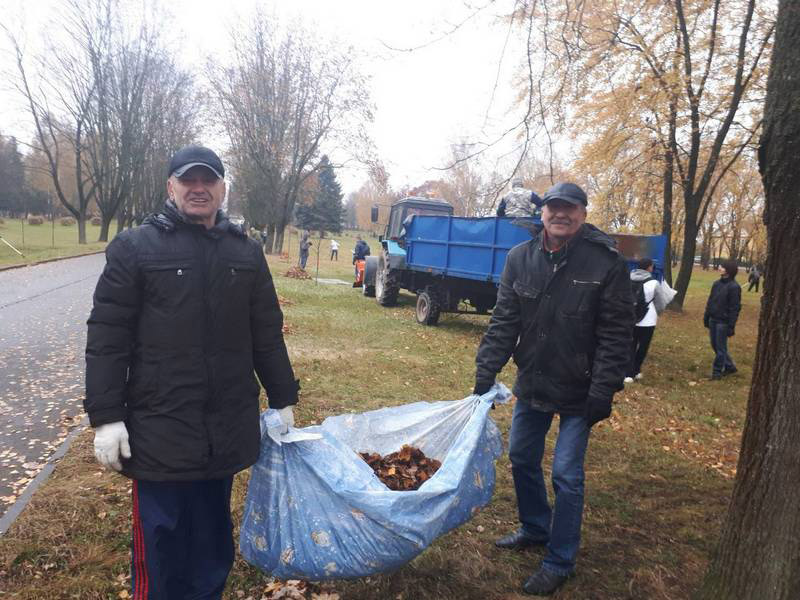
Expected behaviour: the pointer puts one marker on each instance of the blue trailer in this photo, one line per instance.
(454, 264)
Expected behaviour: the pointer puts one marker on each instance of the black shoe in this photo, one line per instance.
(730, 371)
(518, 540)
(544, 582)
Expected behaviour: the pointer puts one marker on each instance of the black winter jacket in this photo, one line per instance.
(361, 251)
(182, 316)
(724, 302)
(568, 325)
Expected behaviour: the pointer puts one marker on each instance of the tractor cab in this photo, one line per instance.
(407, 207)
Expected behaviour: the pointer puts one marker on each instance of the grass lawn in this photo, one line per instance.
(42, 242)
(659, 472)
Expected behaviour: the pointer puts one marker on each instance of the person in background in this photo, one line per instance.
(722, 312)
(360, 252)
(184, 312)
(645, 290)
(334, 250)
(564, 312)
(305, 244)
(519, 202)
(753, 278)
(264, 237)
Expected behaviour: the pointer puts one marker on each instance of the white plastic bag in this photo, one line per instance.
(663, 296)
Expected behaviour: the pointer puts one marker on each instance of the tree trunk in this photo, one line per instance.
(279, 235)
(81, 228)
(269, 245)
(687, 259)
(666, 220)
(758, 555)
(105, 225)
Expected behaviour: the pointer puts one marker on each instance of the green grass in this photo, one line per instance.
(659, 472)
(42, 242)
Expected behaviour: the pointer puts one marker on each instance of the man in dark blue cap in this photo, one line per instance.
(184, 313)
(564, 312)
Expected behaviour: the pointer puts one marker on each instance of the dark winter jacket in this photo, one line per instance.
(724, 302)
(182, 317)
(360, 251)
(568, 324)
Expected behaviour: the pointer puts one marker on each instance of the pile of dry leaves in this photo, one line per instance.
(404, 470)
(297, 273)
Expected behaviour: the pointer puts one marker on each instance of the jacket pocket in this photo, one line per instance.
(580, 297)
(168, 283)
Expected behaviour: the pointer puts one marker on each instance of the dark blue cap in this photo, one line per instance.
(195, 156)
(568, 192)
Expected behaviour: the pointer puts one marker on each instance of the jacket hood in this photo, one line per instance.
(640, 275)
(594, 235)
(170, 218)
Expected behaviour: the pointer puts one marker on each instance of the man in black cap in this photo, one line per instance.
(564, 312)
(184, 312)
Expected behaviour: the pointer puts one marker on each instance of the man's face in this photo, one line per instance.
(198, 194)
(562, 219)
(722, 271)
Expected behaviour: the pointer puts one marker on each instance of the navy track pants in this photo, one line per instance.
(182, 539)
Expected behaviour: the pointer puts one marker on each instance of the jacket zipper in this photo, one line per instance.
(207, 369)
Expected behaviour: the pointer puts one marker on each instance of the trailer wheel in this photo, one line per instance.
(370, 270)
(387, 282)
(428, 308)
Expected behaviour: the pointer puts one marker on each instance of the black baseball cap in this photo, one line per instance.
(194, 156)
(568, 192)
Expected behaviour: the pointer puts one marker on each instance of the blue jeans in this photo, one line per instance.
(561, 526)
(718, 332)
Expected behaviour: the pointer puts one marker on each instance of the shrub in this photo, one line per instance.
(2, 221)
(35, 220)
(67, 221)
(96, 221)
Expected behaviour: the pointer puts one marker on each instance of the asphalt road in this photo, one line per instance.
(43, 311)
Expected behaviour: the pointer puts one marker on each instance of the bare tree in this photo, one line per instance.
(58, 98)
(106, 89)
(758, 554)
(284, 94)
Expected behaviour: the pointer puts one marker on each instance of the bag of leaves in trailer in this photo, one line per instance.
(317, 506)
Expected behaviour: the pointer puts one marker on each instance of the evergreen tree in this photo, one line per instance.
(13, 193)
(326, 212)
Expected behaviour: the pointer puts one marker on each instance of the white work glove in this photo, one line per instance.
(111, 441)
(287, 418)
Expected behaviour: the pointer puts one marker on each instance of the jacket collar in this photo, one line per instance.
(170, 219)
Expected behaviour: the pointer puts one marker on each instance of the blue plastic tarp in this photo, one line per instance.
(315, 510)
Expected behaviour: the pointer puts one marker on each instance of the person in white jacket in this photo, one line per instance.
(643, 332)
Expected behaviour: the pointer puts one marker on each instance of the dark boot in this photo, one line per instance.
(544, 582)
(518, 540)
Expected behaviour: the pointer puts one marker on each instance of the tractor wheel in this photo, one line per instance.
(387, 282)
(370, 269)
(427, 307)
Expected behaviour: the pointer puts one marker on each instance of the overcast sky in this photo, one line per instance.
(424, 99)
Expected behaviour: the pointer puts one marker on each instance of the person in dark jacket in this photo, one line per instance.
(184, 312)
(360, 252)
(305, 245)
(565, 315)
(722, 312)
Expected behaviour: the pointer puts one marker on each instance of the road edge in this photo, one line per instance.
(19, 505)
(48, 260)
